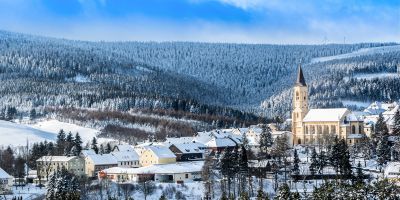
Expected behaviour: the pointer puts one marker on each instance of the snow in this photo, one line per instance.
(4, 174)
(360, 52)
(173, 168)
(161, 151)
(220, 142)
(54, 126)
(56, 158)
(190, 147)
(376, 76)
(105, 159)
(359, 104)
(330, 114)
(18, 134)
(79, 79)
(125, 156)
(29, 191)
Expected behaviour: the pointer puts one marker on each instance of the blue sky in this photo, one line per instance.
(239, 21)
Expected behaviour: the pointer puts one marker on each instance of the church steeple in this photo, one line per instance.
(300, 78)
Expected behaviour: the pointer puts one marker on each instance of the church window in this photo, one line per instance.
(297, 95)
(353, 129)
(359, 129)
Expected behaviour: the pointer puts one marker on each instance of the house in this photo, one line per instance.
(392, 171)
(188, 152)
(157, 155)
(310, 125)
(6, 182)
(97, 162)
(174, 172)
(47, 165)
(220, 144)
(127, 159)
(140, 148)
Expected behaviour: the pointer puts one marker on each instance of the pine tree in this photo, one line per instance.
(383, 148)
(94, 145)
(344, 162)
(244, 196)
(69, 143)
(261, 194)
(321, 162)
(283, 192)
(314, 162)
(380, 127)
(296, 161)
(266, 140)
(360, 174)
(396, 125)
(77, 144)
(61, 142)
(108, 148)
(163, 197)
(223, 196)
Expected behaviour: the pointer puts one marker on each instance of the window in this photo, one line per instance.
(186, 176)
(297, 96)
(353, 129)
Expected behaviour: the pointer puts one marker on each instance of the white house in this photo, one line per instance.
(174, 172)
(6, 182)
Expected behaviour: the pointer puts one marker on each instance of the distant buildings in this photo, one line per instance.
(157, 155)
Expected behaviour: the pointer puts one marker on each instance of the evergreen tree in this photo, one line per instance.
(296, 161)
(7, 159)
(223, 196)
(321, 162)
(261, 194)
(314, 162)
(32, 114)
(61, 140)
(283, 192)
(396, 124)
(244, 196)
(77, 144)
(69, 143)
(93, 146)
(163, 197)
(108, 148)
(266, 140)
(360, 174)
(380, 127)
(383, 148)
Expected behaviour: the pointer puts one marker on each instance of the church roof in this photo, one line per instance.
(325, 115)
(300, 78)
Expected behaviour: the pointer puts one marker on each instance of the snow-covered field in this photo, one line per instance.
(361, 52)
(376, 75)
(54, 126)
(359, 104)
(17, 134)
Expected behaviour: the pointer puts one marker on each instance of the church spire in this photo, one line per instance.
(300, 78)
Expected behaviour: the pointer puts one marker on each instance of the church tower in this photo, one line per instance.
(300, 107)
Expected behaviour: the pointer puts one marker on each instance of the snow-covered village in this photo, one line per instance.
(199, 100)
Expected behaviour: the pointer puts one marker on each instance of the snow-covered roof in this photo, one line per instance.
(173, 168)
(377, 108)
(87, 152)
(355, 136)
(392, 170)
(190, 147)
(56, 158)
(124, 147)
(356, 116)
(104, 159)
(325, 115)
(220, 142)
(125, 155)
(4, 174)
(177, 140)
(161, 151)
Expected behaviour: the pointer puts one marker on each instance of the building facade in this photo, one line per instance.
(313, 126)
(47, 165)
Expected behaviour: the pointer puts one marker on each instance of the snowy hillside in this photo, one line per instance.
(361, 52)
(18, 134)
(54, 126)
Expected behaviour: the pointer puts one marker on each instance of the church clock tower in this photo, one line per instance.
(300, 107)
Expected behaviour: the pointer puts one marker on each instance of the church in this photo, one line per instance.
(310, 125)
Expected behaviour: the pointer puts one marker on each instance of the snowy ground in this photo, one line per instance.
(27, 192)
(376, 75)
(361, 52)
(54, 126)
(358, 104)
(18, 134)
(15, 134)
